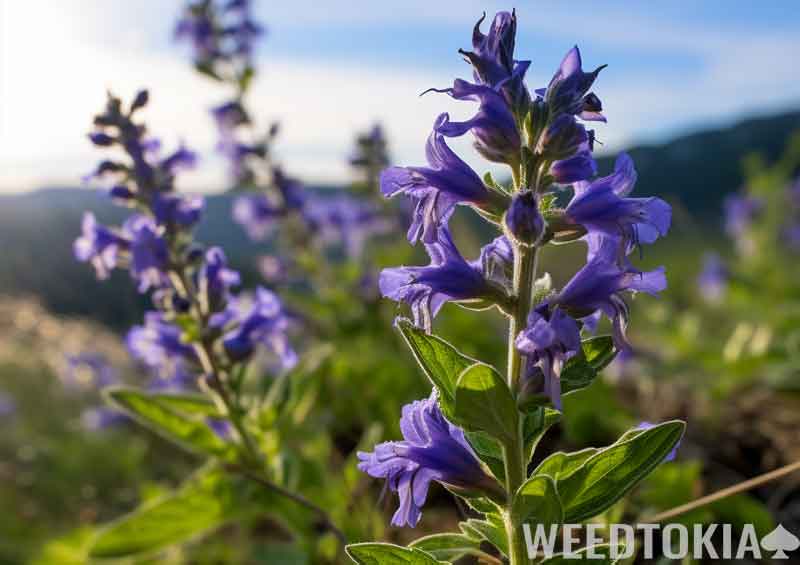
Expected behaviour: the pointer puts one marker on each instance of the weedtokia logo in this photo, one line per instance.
(673, 541)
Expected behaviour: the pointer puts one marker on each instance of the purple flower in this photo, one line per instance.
(215, 278)
(290, 189)
(347, 221)
(494, 127)
(221, 427)
(101, 418)
(740, 211)
(492, 58)
(601, 206)
(578, 167)
(99, 245)
(256, 214)
(182, 159)
(548, 341)
(568, 91)
(158, 345)
(599, 285)
(713, 279)
(197, 27)
(272, 268)
(89, 370)
(149, 252)
(672, 454)
(263, 323)
(7, 406)
(436, 189)
(496, 261)
(171, 209)
(229, 116)
(523, 220)
(433, 449)
(449, 277)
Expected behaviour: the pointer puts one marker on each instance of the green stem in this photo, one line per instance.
(525, 266)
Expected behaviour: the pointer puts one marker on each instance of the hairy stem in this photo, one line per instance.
(525, 266)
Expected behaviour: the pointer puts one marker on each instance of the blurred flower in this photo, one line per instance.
(713, 279)
(256, 214)
(214, 279)
(346, 220)
(740, 211)
(89, 369)
(221, 427)
(435, 190)
(7, 406)
(272, 268)
(99, 245)
(101, 418)
(448, 277)
(158, 345)
(265, 323)
(432, 449)
(184, 211)
(550, 338)
(149, 252)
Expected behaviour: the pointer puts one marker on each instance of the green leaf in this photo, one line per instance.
(177, 418)
(537, 501)
(606, 476)
(484, 403)
(489, 451)
(448, 547)
(491, 529)
(207, 500)
(559, 465)
(581, 370)
(536, 424)
(388, 554)
(441, 362)
(579, 556)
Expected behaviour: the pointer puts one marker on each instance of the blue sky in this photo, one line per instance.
(329, 69)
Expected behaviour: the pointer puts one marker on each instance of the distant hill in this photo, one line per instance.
(37, 229)
(699, 169)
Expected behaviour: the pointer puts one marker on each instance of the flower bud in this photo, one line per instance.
(101, 139)
(523, 221)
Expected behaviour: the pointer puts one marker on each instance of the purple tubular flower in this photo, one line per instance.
(184, 211)
(494, 127)
(347, 221)
(600, 283)
(199, 30)
(99, 245)
(215, 278)
(256, 214)
(449, 277)
(229, 116)
(89, 370)
(672, 454)
(492, 59)
(523, 219)
(578, 167)
(740, 211)
(549, 340)
(601, 206)
(149, 252)
(265, 323)
(567, 91)
(102, 418)
(222, 428)
(496, 261)
(181, 159)
(158, 345)
(713, 279)
(432, 449)
(436, 189)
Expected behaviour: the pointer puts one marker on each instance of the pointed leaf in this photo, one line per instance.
(388, 554)
(448, 547)
(207, 500)
(484, 403)
(441, 362)
(537, 501)
(581, 370)
(609, 474)
(175, 418)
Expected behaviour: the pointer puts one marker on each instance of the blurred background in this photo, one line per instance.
(704, 96)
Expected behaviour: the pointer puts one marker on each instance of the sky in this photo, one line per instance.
(328, 70)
